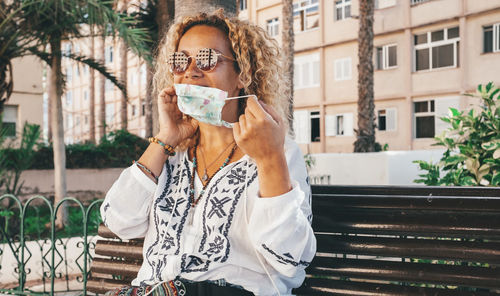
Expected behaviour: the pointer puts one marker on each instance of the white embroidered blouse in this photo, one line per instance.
(216, 239)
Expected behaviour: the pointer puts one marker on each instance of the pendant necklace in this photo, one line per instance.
(206, 167)
(192, 198)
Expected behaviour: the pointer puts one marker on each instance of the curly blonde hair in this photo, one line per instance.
(257, 55)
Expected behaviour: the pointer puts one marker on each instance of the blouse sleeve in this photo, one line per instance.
(125, 209)
(280, 227)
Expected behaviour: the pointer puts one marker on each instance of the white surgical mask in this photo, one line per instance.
(204, 104)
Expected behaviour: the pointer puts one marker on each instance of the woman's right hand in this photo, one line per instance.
(174, 128)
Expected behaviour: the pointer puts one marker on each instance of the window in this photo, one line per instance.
(343, 69)
(69, 74)
(134, 111)
(413, 2)
(386, 57)
(9, 120)
(342, 9)
(143, 74)
(77, 120)
(273, 27)
(143, 112)
(438, 49)
(243, 5)
(85, 95)
(424, 119)
(69, 98)
(306, 125)
(386, 119)
(491, 37)
(110, 113)
(305, 15)
(306, 71)
(108, 85)
(69, 121)
(339, 125)
(380, 4)
(133, 78)
(67, 50)
(109, 54)
(77, 71)
(314, 117)
(86, 119)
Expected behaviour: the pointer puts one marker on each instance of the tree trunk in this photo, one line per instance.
(102, 93)
(164, 15)
(49, 105)
(92, 94)
(123, 77)
(288, 42)
(365, 133)
(187, 7)
(56, 118)
(6, 82)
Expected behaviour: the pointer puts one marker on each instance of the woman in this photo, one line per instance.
(221, 194)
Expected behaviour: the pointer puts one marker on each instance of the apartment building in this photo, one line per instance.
(76, 105)
(427, 53)
(26, 101)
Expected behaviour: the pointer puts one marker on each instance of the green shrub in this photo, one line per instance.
(472, 157)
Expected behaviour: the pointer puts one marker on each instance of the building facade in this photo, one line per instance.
(26, 101)
(427, 54)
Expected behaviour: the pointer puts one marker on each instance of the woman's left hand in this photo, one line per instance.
(260, 132)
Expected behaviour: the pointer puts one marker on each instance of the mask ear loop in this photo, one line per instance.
(246, 221)
(163, 237)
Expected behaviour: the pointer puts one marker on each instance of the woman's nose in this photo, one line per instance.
(192, 70)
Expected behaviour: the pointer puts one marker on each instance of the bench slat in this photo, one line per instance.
(406, 272)
(101, 286)
(328, 202)
(116, 267)
(331, 287)
(127, 250)
(405, 190)
(411, 223)
(438, 249)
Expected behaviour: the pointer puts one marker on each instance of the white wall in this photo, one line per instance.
(378, 168)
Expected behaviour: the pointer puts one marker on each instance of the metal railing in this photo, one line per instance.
(40, 255)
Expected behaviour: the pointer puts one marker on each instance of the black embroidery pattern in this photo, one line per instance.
(218, 214)
(288, 260)
(105, 209)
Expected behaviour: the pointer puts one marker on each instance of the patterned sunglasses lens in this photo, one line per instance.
(206, 59)
(178, 62)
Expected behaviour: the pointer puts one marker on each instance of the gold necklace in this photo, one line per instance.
(206, 167)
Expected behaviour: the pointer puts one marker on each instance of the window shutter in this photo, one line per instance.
(315, 76)
(496, 37)
(10, 114)
(391, 119)
(347, 68)
(306, 75)
(301, 126)
(443, 106)
(330, 126)
(338, 69)
(348, 124)
(296, 76)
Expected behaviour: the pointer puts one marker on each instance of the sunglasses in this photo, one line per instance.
(206, 60)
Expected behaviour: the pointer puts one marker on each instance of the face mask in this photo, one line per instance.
(204, 104)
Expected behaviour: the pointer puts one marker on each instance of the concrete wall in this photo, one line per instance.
(95, 180)
(379, 168)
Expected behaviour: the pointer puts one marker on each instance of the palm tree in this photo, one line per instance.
(92, 92)
(123, 75)
(60, 21)
(288, 43)
(365, 133)
(102, 89)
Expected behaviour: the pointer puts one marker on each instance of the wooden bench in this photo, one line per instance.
(378, 240)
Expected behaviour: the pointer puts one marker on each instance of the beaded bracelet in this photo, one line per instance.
(145, 169)
(169, 150)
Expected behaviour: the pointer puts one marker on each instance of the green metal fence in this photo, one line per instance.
(40, 253)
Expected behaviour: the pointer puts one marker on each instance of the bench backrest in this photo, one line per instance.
(374, 240)
(384, 240)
